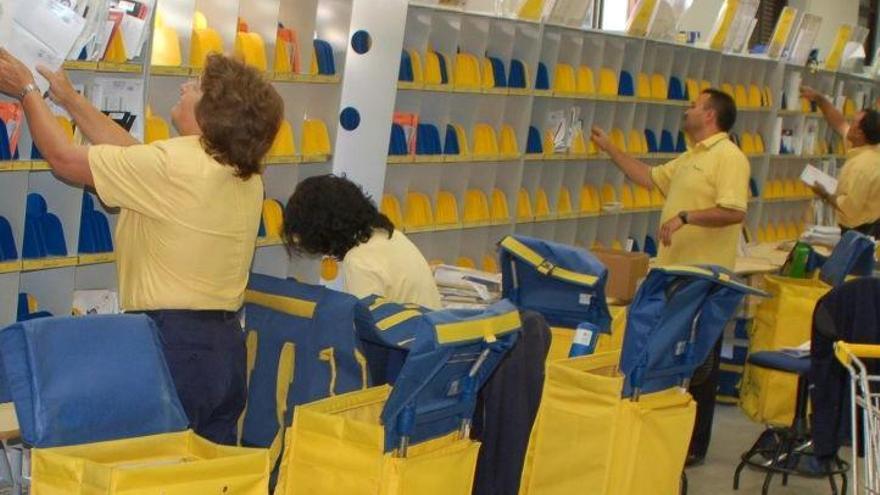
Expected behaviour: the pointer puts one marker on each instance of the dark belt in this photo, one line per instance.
(207, 314)
(871, 229)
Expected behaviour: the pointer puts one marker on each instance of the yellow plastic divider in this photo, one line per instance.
(659, 87)
(476, 206)
(417, 210)
(607, 82)
(542, 205)
(273, 218)
(390, 207)
(585, 82)
(563, 203)
(466, 74)
(487, 77)
(316, 139)
(590, 202)
(249, 47)
(508, 146)
(609, 194)
(485, 140)
(643, 85)
(447, 209)
(564, 79)
(499, 209)
(166, 45)
(283, 145)
(523, 205)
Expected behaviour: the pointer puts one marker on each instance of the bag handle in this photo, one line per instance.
(546, 267)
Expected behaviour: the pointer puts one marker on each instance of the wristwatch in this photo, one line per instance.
(27, 89)
(683, 215)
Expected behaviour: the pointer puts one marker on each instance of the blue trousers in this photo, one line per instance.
(205, 352)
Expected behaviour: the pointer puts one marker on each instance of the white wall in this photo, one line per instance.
(702, 14)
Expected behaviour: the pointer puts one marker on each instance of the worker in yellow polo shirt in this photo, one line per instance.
(706, 191)
(189, 215)
(857, 199)
(329, 215)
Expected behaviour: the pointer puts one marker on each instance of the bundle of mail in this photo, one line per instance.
(820, 234)
(465, 288)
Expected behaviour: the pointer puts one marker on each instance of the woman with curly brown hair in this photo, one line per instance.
(332, 216)
(189, 214)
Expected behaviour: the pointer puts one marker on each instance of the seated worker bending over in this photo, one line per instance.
(332, 216)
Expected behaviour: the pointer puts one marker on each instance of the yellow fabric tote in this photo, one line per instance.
(336, 445)
(783, 320)
(587, 439)
(180, 463)
(560, 344)
(414, 439)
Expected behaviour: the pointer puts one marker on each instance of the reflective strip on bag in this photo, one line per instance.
(486, 328)
(283, 304)
(397, 319)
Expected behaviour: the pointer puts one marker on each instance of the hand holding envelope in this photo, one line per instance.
(14, 75)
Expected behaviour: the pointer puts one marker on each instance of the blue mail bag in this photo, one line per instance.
(89, 379)
(677, 316)
(302, 346)
(563, 283)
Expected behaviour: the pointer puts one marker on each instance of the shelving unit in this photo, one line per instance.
(619, 83)
(506, 176)
(308, 96)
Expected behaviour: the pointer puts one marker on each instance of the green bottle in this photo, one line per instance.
(799, 260)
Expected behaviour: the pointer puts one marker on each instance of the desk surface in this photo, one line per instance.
(8, 422)
(762, 258)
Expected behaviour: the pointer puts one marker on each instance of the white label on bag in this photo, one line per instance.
(583, 336)
(680, 347)
(585, 299)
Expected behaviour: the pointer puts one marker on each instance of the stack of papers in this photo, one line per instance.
(95, 302)
(812, 176)
(800, 351)
(464, 288)
(41, 32)
(818, 234)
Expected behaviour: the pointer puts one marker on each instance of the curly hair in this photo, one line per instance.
(239, 114)
(329, 215)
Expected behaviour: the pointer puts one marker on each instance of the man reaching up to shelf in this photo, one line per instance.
(706, 191)
(857, 199)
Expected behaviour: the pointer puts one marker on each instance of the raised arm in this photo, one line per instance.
(67, 160)
(97, 127)
(637, 170)
(835, 119)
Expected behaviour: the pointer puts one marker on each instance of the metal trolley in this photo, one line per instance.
(865, 401)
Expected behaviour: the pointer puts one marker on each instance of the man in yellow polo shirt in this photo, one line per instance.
(706, 192)
(857, 199)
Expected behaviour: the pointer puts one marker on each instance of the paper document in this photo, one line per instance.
(41, 34)
(800, 351)
(812, 176)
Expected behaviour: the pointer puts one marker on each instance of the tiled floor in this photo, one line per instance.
(733, 433)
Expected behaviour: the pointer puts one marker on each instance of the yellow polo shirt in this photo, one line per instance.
(392, 268)
(858, 187)
(187, 226)
(713, 173)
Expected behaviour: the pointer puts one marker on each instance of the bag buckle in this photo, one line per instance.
(546, 267)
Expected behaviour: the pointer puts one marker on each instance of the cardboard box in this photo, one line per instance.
(625, 271)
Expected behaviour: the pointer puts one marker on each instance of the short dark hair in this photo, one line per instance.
(329, 215)
(239, 114)
(870, 125)
(724, 107)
